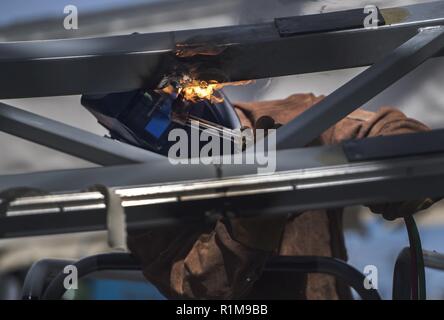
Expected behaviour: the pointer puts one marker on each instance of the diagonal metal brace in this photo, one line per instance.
(70, 140)
(313, 122)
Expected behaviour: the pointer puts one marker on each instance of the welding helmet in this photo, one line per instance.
(144, 118)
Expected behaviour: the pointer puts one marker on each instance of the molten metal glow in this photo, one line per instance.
(198, 90)
(195, 90)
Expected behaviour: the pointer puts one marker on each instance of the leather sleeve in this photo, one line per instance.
(221, 262)
(197, 264)
(361, 124)
(194, 262)
(386, 121)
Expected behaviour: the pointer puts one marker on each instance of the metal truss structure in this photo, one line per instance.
(156, 193)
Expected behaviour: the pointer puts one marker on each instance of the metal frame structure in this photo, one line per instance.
(156, 193)
(320, 183)
(120, 63)
(204, 196)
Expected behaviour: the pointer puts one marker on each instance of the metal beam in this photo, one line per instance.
(120, 63)
(70, 140)
(314, 121)
(322, 178)
(297, 133)
(162, 172)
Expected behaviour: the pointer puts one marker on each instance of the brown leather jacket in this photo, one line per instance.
(223, 262)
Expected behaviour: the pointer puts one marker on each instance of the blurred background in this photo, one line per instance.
(370, 240)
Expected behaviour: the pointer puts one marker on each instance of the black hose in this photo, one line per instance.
(418, 276)
(402, 275)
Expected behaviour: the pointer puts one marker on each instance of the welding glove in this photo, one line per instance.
(394, 210)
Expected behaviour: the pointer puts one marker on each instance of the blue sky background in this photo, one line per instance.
(14, 10)
(381, 246)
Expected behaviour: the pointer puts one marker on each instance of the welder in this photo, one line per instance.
(225, 261)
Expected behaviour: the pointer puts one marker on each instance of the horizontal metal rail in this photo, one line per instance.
(323, 178)
(119, 63)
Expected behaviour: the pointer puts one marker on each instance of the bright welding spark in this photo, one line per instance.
(194, 90)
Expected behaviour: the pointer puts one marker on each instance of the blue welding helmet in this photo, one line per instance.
(145, 117)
